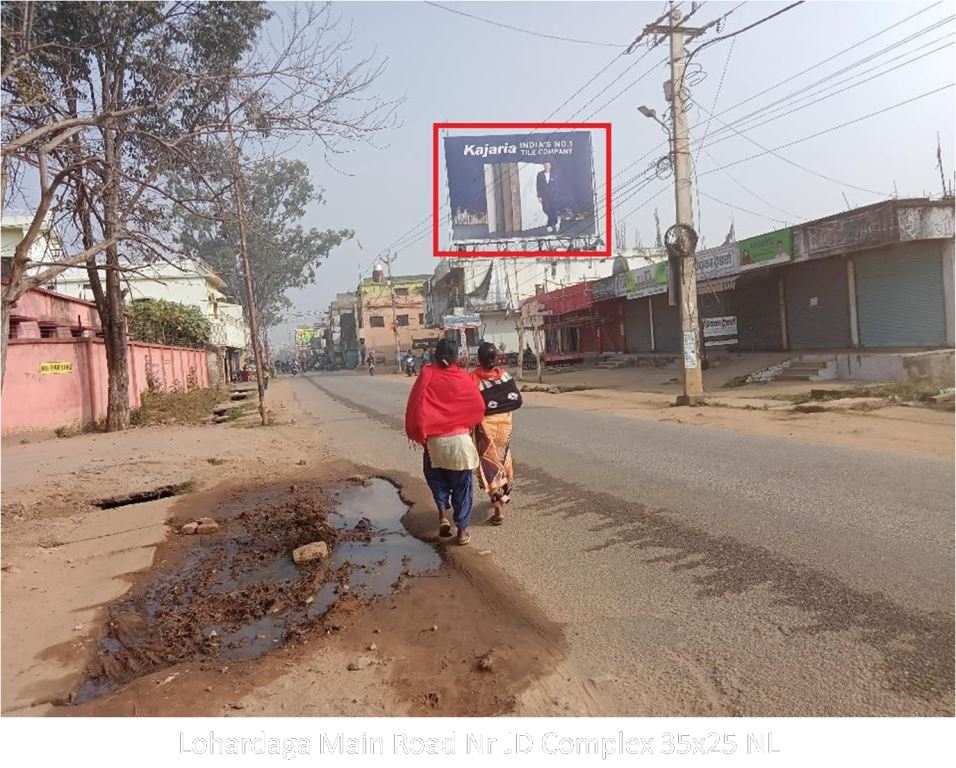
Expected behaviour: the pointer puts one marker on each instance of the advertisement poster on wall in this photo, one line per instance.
(520, 186)
(766, 250)
(720, 331)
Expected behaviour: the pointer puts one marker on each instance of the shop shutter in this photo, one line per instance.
(899, 294)
(637, 325)
(666, 324)
(818, 305)
(756, 302)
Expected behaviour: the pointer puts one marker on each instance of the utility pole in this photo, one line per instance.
(693, 382)
(246, 268)
(389, 258)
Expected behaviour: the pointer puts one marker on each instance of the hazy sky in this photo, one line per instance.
(451, 68)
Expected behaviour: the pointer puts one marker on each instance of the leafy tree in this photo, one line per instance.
(156, 321)
(283, 254)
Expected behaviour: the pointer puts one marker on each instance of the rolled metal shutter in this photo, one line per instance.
(899, 295)
(818, 305)
(637, 325)
(666, 324)
(756, 302)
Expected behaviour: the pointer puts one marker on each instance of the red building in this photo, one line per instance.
(576, 324)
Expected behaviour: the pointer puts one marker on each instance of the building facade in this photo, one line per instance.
(342, 341)
(495, 288)
(389, 309)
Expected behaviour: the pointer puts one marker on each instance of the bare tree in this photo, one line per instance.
(104, 102)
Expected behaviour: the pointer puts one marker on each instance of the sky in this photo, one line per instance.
(449, 68)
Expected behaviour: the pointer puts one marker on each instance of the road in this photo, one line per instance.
(699, 571)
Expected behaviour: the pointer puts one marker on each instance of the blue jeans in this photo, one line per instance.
(451, 488)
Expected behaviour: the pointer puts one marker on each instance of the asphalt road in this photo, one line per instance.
(703, 571)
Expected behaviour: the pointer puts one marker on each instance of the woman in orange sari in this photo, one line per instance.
(493, 436)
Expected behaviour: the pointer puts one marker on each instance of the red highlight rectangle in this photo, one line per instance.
(436, 129)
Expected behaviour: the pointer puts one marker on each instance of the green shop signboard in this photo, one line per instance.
(765, 250)
(646, 281)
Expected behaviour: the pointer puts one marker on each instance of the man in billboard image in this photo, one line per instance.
(547, 196)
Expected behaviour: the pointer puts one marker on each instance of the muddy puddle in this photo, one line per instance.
(237, 594)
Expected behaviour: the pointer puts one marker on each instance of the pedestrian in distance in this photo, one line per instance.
(443, 408)
(501, 397)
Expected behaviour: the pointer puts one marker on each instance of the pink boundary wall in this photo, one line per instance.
(34, 401)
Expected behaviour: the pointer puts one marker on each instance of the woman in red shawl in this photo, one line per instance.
(443, 407)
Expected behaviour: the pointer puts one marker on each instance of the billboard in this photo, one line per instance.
(459, 322)
(765, 250)
(305, 336)
(520, 186)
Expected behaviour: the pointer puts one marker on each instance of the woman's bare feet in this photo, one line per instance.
(497, 518)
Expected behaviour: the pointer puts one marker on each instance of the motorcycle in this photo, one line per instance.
(371, 367)
(409, 365)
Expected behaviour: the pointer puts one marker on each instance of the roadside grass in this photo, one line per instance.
(74, 430)
(237, 412)
(177, 407)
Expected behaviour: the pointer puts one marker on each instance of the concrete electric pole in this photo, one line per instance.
(693, 383)
(388, 259)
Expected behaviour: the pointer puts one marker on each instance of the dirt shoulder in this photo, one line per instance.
(418, 651)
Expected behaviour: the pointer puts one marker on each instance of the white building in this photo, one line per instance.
(46, 248)
(190, 282)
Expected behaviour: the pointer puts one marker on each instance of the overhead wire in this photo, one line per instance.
(827, 93)
(424, 227)
(531, 32)
(790, 78)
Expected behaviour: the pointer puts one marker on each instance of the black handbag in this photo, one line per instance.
(501, 396)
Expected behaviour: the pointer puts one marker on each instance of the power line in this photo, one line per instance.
(792, 97)
(744, 29)
(828, 95)
(524, 31)
(742, 209)
(797, 75)
(749, 191)
(726, 132)
(399, 242)
(713, 106)
(801, 140)
(832, 128)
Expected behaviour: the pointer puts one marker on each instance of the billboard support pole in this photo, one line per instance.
(516, 311)
(693, 381)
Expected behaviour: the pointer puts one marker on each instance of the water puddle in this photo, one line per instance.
(237, 595)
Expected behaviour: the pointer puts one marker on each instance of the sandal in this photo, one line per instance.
(463, 539)
(444, 528)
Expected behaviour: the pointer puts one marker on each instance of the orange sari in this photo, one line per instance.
(493, 439)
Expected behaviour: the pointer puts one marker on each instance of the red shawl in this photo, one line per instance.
(444, 401)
